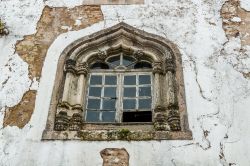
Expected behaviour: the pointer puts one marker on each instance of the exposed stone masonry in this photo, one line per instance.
(33, 48)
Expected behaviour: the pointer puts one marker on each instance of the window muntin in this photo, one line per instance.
(112, 92)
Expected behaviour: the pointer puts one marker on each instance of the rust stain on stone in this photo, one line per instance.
(33, 49)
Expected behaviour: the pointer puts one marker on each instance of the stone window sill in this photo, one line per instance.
(111, 132)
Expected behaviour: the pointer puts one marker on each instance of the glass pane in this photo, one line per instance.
(96, 80)
(95, 91)
(129, 92)
(110, 80)
(129, 80)
(143, 65)
(127, 60)
(144, 79)
(109, 104)
(144, 103)
(110, 92)
(99, 66)
(145, 91)
(129, 103)
(114, 60)
(93, 103)
(92, 116)
(108, 116)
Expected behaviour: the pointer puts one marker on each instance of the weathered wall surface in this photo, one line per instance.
(213, 37)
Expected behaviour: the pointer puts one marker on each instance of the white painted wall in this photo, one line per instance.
(218, 96)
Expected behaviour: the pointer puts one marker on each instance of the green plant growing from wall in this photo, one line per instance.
(3, 29)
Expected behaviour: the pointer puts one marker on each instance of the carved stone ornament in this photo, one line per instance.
(70, 65)
(160, 119)
(102, 55)
(174, 120)
(170, 65)
(61, 121)
(75, 122)
(82, 68)
(157, 67)
(138, 54)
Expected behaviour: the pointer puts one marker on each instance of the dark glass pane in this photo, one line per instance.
(96, 80)
(127, 60)
(129, 80)
(109, 104)
(114, 60)
(108, 116)
(110, 92)
(144, 79)
(140, 116)
(145, 91)
(143, 65)
(129, 92)
(144, 103)
(95, 91)
(110, 80)
(92, 116)
(93, 103)
(129, 103)
(99, 66)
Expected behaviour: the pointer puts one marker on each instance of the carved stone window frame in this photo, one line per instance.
(65, 119)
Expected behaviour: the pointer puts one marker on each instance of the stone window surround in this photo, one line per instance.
(65, 118)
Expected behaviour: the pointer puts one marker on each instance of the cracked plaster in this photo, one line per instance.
(216, 89)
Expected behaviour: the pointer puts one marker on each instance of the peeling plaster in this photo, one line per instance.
(216, 72)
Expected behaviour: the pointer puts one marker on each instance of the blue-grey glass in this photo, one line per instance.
(127, 60)
(114, 60)
(145, 103)
(110, 80)
(93, 103)
(108, 116)
(129, 103)
(95, 80)
(144, 79)
(129, 92)
(145, 91)
(110, 92)
(92, 116)
(109, 104)
(95, 91)
(129, 80)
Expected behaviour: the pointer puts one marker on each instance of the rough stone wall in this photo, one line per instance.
(213, 37)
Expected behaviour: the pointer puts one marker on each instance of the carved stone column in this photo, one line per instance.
(171, 94)
(160, 114)
(76, 111)
(70, 71)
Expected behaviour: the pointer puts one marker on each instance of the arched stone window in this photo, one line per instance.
(119, 83)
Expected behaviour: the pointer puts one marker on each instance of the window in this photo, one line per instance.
(120, 90)
(119, 84)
